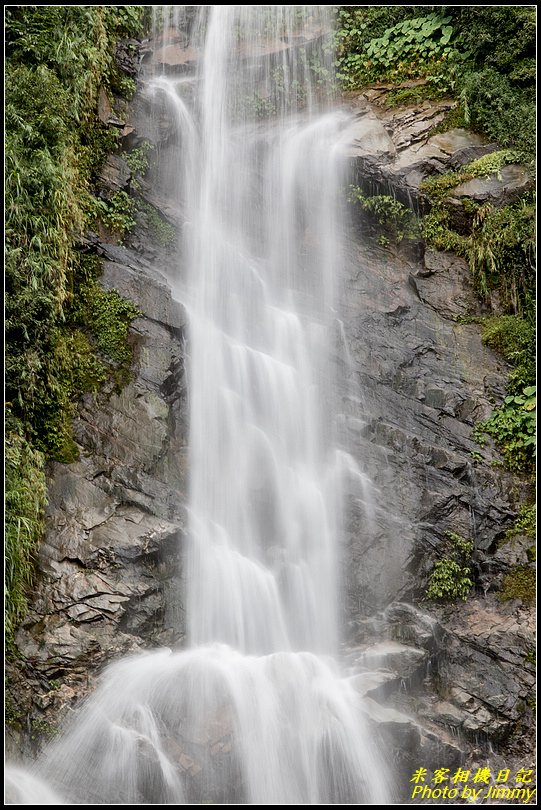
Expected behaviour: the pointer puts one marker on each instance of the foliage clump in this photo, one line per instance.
(25, 499)
(512, 426)
(515, 339)
(451, 577)
(57, 58)
(398, 221)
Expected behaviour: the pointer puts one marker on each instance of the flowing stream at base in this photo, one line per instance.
(255, 710)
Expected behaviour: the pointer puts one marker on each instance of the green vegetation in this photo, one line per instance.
(63, 333)
(498, 243)
(25, 494)
(514, 338)
(138, 161)
(451, 577)
(117, 213)
(482, 56)
(519, 583)
(512, 425)
(525, 523)
(42, 729)
(160, 230)
(398, 221)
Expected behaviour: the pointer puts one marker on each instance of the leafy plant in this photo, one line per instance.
(355, 27)
(413, 47)
(513, 427)
(524, 524)
(410, 45)
(399, 220)
(25, 499)
(515, 339)
(450, 577)
(118, 212)
(138, 161)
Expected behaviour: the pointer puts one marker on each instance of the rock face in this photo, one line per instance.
(394, 150)
(419, 379)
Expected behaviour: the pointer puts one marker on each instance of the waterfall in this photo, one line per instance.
(256, 709)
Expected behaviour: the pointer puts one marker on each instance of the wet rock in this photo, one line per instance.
(152, 295)
(393, 151)
(418, 376)
(105, 109)
(451, 292)
(114, 175)
(502, 188)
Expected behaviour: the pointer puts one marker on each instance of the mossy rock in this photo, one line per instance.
(519, 583)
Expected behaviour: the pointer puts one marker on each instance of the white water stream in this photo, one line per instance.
(255, 710)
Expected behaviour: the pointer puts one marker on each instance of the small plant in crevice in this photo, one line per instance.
(451, 576)
(525, 523)
(42, 729)
(117, 213)
(397, 219)
(138, 161)
(515, 339)
(159, 229)
(513, 427)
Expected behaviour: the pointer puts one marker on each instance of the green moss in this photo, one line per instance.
(530, 657)
(12, 716)
(42, 729)
(159, 229)
(492, 163)
(404, 96)
(108, 316)
(438, 187)
(519, 583)
(436, 231)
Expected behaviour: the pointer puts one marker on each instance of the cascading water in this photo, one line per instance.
(255, 710)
